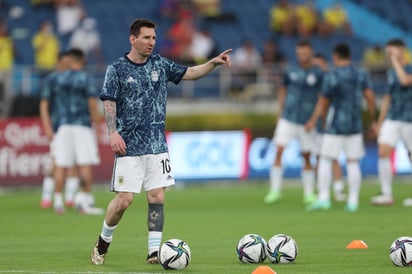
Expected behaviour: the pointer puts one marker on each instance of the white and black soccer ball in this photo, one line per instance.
(174, 254)
(251, 249)
(400, 251)
(281, 248)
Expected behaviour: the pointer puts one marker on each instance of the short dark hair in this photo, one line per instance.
(304, 43)
(77, 54)
(342, 50)
(396, 42)
(139, 23)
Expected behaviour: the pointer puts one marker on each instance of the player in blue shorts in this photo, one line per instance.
(343, 89)
(134, 99)
(297, 99)
(395, 119)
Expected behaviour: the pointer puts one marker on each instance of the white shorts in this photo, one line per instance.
(151, 171)
(287, 131)
(393, 131)
(350, 145)
(75, 145)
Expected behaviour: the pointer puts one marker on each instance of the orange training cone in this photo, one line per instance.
(263, 269)
(357, 244)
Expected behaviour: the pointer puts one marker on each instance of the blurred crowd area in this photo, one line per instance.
(262, 34)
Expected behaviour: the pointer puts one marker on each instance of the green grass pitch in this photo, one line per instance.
(211, 219)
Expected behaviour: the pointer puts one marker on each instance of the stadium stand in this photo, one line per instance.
(252, 22)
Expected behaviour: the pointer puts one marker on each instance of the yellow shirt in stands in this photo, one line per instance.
(306, 16)
(46, 50)
(278, 16)
(335, 17)
(6, 53)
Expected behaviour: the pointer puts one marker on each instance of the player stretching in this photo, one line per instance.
(134, 98)
(341, 96)
(395, 119)
(297, 99)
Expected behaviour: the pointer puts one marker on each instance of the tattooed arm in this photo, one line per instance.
(116, 141)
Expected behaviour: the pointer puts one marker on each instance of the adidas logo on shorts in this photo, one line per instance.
(169, 177)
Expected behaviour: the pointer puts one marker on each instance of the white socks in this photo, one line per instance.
(354, 182)
(338, 186)
(385, 175)
(47, 189)
(324, 179)
(308, 180)
(154, 239)
(276, 174)
(58, 200)
(71, 187)
(107, 232)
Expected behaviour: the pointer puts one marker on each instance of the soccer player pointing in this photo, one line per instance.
(134, 98)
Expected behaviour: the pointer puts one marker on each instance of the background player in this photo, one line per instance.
(297, 99)
(342, 93)
(338, 183)
(134, 98)
(72, 180)
(72, 97)
(395, 119)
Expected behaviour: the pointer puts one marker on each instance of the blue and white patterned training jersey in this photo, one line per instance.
(68, 93)
(344, 87)
(302, 89)
(140, 92)
(401, 97)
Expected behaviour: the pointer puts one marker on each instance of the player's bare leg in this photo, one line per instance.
(276, 174)
(385, 176)
(155, 221)
(114, 214)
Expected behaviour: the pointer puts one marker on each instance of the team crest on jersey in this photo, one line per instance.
(155, 76)
(311, 79)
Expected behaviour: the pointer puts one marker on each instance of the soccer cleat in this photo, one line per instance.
(308, 199)
(382, 199)
(319, 205)
(351, 207)
(272, 197)
(45, 204)
(407, 202)
(99, 251)
(153, 258)
(97, 259)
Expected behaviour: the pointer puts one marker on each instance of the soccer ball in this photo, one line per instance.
(251, 249)
(174, 254)
(281, 248)
(401, 251)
